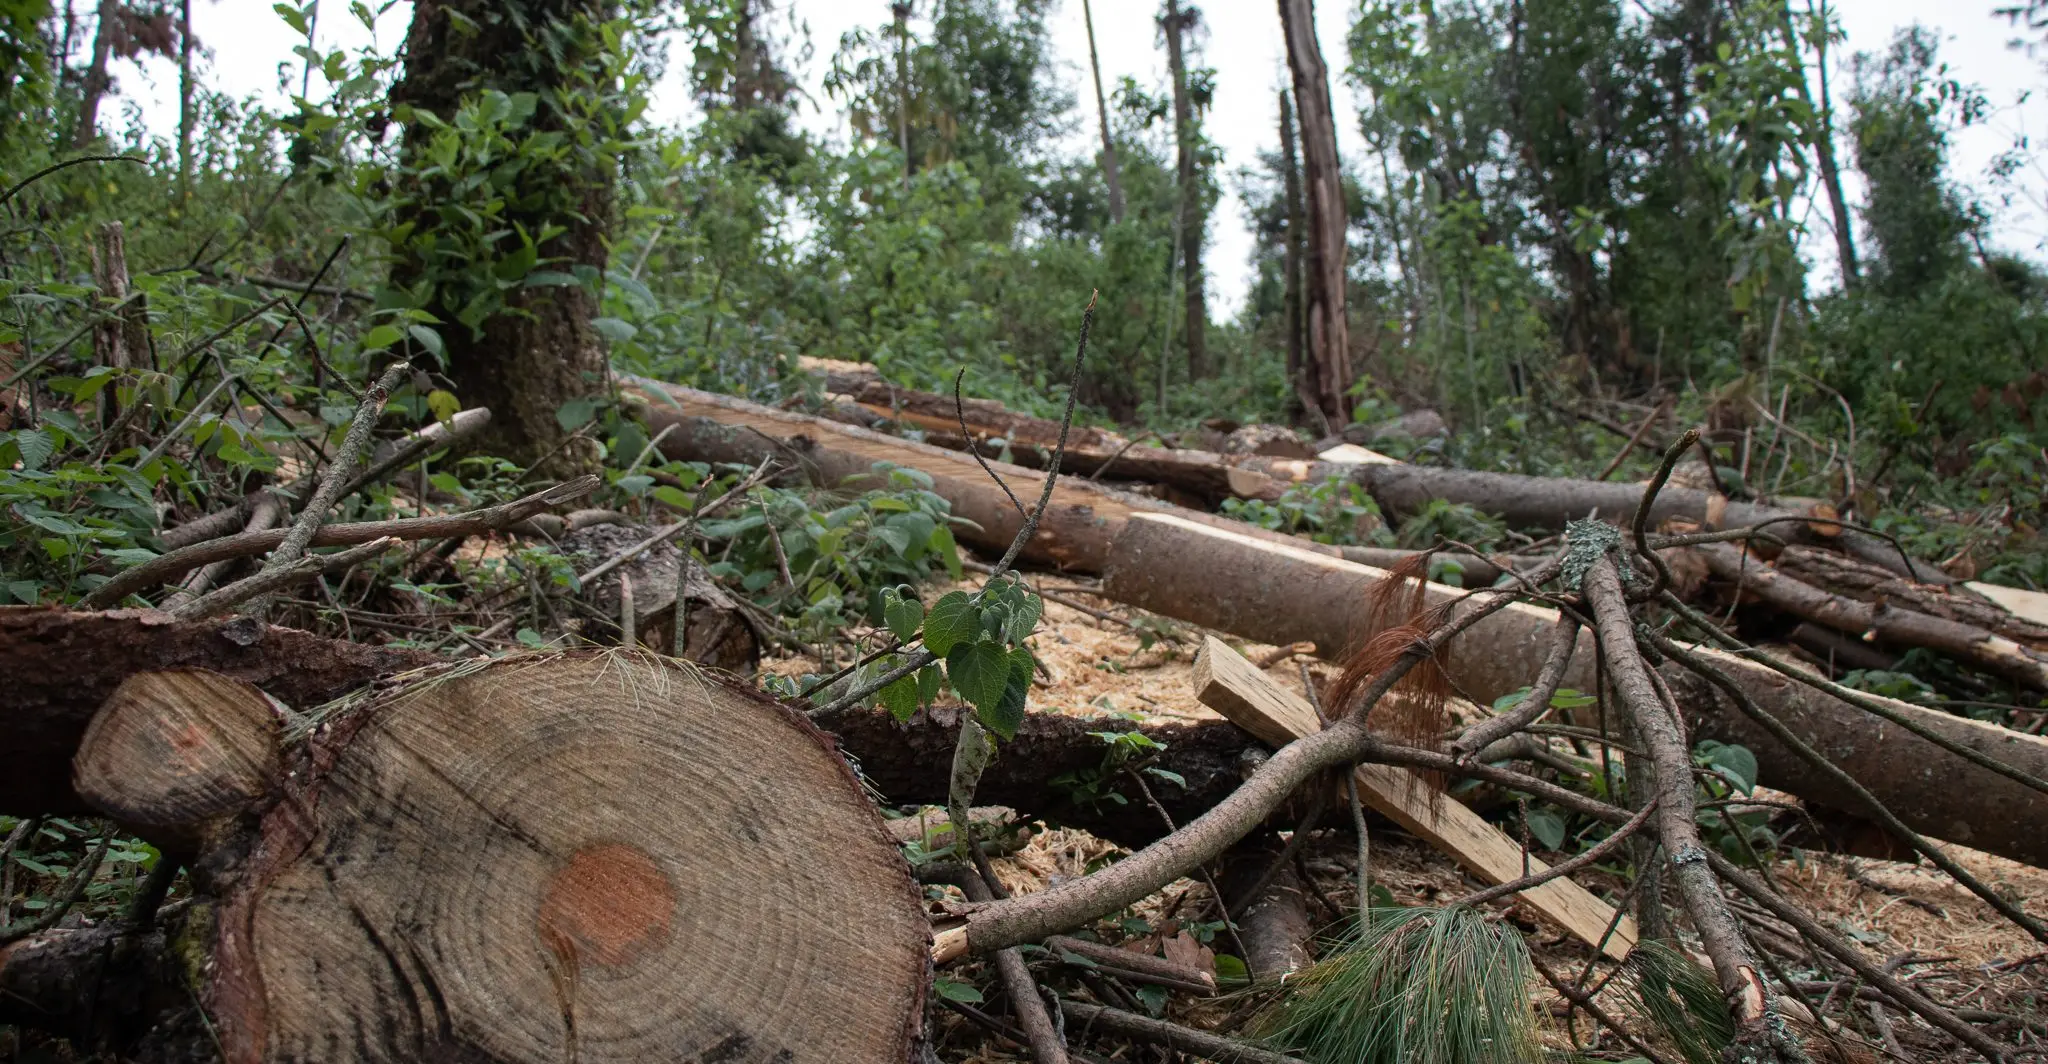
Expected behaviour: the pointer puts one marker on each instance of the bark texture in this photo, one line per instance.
(1329, 335)
(62, 666)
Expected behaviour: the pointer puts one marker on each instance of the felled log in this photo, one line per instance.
(910, 763)
(599, 856)
(61, 666)
(1076, 531)
(1280, 594)
(1881, 620)
(1861, 580)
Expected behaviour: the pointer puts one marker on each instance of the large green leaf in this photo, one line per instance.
(951, 621)
(979, 671)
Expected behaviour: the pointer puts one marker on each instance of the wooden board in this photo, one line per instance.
(2031, 605)
(1232, 686)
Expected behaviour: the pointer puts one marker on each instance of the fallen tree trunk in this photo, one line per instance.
(1075, 533)
(1280, 594)
(1859, 579)
(1880, 620)
(60, 666)
(910, 763)
(597, 856)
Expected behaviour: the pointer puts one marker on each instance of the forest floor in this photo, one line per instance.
(1907, 916)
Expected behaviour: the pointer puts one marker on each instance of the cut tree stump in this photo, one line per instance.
(1230, 685)
(595, 856)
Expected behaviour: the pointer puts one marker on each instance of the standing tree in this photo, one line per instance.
(1329, 359)
(1109, 167)
(1177, 24)
(515, 117)
(1298, 385)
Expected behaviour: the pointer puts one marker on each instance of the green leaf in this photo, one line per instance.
(616, 330)
(951, 621)
(1007, 715)
(443, 404)
(942, 544)
(428, 339)
(550, 279)
(381, 337)
(1231, 969)
(979, 671)
(576, 413)
(1024, 617)
(26, 592)
(530, 638)
(900, 697)
(36, 448)
(902, 615)
(929, 679)
(1734, 762)
(1546, 826)
(953, 990)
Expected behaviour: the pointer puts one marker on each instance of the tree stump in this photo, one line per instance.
(596, 856)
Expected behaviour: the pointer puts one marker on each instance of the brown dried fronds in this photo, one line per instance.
(1398, 621)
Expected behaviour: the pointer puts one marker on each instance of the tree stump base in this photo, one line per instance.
(591, 857)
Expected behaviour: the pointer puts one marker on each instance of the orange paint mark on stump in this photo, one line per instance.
(608, 905)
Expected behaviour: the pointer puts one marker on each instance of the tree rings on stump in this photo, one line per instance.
(586, 857)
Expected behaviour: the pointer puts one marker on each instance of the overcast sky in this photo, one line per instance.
(247, 45)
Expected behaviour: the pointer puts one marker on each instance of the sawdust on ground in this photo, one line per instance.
(1907, 915)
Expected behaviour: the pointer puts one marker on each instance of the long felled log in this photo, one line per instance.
(1881, 619)
(1281, 594)
(1075, 533)
(61, 666)
(1399, 488)
(597, 856)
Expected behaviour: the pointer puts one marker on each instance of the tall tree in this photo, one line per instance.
(1329, 339)
(1290, 176)
(1178, 24)
(900, 11)
(541, 74)
(97, 80)
(1821, 135)
(1109, 167)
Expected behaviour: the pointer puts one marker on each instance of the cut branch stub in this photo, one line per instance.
(591, 857)
(171, 751)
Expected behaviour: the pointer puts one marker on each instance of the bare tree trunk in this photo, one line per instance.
(1824, 151)
(96, 79)
(901, 11)
(1109, 167)
(1192, 216)
(185, 116)
(540, 351)
(1328, 332)
(1298, 386)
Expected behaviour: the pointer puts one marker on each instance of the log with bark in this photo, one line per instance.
(60, 666)
(1076, 530)
(596, 856)
(1280, 594)
(1886, 619)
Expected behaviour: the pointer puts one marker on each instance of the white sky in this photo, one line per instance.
(250, 46)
